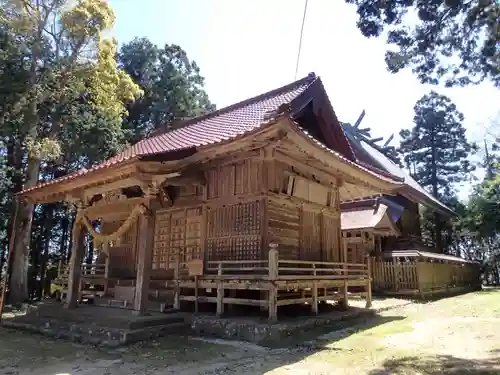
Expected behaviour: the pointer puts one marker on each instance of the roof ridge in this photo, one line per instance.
(310, 78)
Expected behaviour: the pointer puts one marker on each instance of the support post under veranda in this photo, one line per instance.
(272, 298)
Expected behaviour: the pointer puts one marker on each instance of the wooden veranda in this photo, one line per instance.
(268, 284)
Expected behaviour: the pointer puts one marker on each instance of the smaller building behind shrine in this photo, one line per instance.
(388, 227)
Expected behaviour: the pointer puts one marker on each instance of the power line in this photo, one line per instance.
(300, 40)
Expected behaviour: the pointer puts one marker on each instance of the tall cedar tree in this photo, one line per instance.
(172, 85)
(455, 41)
(435, 151)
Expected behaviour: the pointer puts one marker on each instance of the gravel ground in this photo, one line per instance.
(458, 335)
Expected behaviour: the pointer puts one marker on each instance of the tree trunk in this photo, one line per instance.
(48, 225)
(14, 167)
(19, 279)
(35, 252)
(435, 192)
(70, 244)
(63, 246)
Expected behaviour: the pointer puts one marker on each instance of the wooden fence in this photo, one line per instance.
(423, 277)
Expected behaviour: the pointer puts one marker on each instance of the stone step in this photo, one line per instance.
(100, 335)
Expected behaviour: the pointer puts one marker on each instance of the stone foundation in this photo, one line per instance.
(114, 327)
(259, 331)
(98, 326)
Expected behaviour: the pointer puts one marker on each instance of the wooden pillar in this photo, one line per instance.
(75, 266)
(314, 305)
(145, 232)
(345, 298)
(272, 296)
(220, 292)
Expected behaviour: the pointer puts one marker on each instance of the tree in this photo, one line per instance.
(483, 221)
(457, 41)
(435, 151)
(67, 61)
(172, 86)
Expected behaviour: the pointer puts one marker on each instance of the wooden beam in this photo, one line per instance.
(261, 137)
(197, 179)
(334, 161)
(326, 179)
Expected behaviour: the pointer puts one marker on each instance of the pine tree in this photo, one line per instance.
(436, 151)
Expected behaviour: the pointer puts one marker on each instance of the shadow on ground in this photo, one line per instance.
(317, 337)
(177, 354)
(444, 364)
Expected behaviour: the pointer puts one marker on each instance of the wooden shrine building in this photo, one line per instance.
(388, 228)
(240, 206)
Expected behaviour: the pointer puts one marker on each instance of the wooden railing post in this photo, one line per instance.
(272, 300)
(220, 291)
(369, 282)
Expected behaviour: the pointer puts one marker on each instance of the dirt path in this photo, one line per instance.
(459, 335)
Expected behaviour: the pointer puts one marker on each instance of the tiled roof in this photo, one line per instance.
(370, 155)
(236, 120)
(383, 176)
(214, 127)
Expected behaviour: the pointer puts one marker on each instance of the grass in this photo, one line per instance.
(368, 348)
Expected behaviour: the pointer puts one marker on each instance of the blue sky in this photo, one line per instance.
(245, 48)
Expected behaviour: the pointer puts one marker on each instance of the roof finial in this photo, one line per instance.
(311, 76)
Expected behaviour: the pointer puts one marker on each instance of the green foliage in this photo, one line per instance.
(172, 86)
(68, 103)
(111, 88)
(457, 41)
(68, 69)
(484, 209)
(436, 150)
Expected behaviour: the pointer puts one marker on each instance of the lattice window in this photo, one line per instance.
(234, 232)
(162, 241)
(177, 232)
